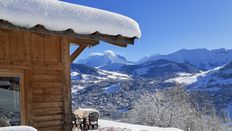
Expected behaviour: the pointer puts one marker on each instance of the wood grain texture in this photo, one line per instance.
(118, 40)
(43, 63)
(77, 52)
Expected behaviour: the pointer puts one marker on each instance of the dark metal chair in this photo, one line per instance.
(86, 119)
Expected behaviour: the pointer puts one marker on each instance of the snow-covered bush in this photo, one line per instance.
(4, 122)
(113, 129)
(173, 107)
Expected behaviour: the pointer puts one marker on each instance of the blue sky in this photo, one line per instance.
(170, 25)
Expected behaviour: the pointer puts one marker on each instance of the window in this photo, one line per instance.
(10, 100)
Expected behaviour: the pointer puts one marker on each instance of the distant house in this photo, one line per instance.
(35, 37)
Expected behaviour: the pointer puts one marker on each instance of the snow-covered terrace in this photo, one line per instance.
(58, 17)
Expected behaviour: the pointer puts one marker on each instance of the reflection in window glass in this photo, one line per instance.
(10, 100)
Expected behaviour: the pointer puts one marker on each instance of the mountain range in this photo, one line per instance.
(103, 59)
(151, 69)
(188, 61)
(103, 75)
(202, 58)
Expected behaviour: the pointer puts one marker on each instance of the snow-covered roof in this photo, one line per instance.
(57, 15)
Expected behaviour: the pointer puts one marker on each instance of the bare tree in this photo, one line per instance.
(173, 107)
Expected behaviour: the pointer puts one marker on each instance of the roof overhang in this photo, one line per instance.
(115, 40)
(72, 20)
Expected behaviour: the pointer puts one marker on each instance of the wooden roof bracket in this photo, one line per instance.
(77, 52)
(82, 45)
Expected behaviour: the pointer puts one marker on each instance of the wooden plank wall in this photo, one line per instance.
(45, 61)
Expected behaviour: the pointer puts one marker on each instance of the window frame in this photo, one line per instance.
(20, 75)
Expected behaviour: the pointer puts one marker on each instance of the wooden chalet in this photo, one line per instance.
(40, 58)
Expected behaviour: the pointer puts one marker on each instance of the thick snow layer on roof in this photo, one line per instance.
(59, 16)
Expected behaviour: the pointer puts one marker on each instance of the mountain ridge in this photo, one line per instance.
(202, 58)
(103, 59)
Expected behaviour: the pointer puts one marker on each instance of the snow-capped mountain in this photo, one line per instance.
(86, 73)
(103, 59)
(159, 68)
(149, 69)
(202, 58)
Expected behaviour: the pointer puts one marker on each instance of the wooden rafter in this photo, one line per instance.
(115, 40)
(77, 52)
(84, 42)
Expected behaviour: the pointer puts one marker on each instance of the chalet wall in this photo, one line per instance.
(44, 61)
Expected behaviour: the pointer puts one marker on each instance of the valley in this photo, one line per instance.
(116, 87)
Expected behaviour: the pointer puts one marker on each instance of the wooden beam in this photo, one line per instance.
(67, 110)
(97, 36)
(119, 44)
(77, 52)
(85, 42)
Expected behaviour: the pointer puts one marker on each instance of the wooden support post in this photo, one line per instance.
(67, 110)
(77, 52)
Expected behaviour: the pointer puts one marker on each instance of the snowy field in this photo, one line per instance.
(187, 79)
(106, 125)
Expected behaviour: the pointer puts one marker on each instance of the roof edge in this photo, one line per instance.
(118, 40)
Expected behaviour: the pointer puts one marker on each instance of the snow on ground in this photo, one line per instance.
(103, 75)
(74, 73)
(112, 89)
(57, 15)
(105, 124)
(187, 79)
(76, 88)
(114, 75)
(18, 128)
